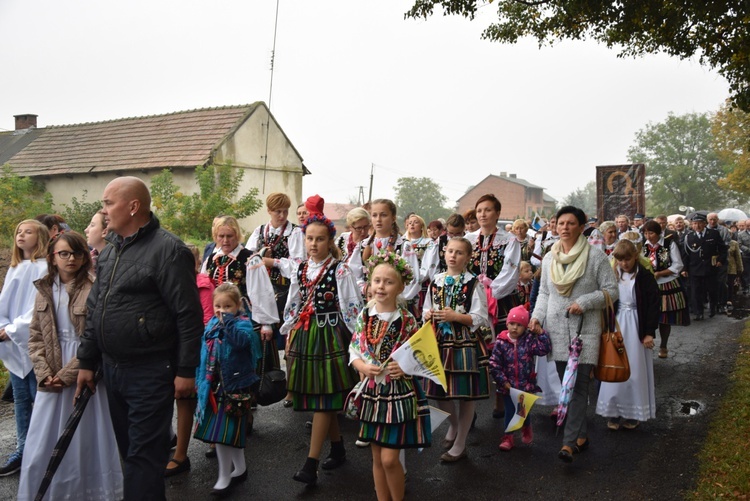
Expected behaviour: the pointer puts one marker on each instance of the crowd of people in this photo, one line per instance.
(134, 316)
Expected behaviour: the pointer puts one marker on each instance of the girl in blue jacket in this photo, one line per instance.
(231, 350)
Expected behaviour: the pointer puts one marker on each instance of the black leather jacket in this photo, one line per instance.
(144, 304)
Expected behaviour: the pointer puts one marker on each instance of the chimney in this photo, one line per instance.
(513, 176)
(503, 174)
(25, 121)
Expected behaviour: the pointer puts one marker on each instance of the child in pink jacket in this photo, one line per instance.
(512, 366)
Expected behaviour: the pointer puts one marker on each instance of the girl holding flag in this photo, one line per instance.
(320, 315)
(394, 412)
(457, 305)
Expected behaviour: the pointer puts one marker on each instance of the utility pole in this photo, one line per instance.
(361, 196)
(372, 169)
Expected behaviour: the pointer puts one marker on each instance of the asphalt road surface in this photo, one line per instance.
(655, 461)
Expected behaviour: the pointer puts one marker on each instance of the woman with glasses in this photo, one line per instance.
(358, 221)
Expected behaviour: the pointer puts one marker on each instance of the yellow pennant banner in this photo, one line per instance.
(522, 403)
(420, 356)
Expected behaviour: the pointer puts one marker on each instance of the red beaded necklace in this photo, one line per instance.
(308, 285)
(376, 330)
(488, 240)
(220, 275)
(278, 237)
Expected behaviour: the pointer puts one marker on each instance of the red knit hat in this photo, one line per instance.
(315, 204)
(518, 315)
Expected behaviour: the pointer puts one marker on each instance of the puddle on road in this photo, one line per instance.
(690, 408)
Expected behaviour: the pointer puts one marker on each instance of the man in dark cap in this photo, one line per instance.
(590, 226)
(638, 221)
(705, 252)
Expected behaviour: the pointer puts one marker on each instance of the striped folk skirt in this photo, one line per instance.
(221, 428)
(319, 375)
(395, 415)
(466, 362)
(673, 309)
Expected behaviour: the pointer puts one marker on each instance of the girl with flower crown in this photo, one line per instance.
(319, 319)
(457, 305)
(394, 413)
(385, 237)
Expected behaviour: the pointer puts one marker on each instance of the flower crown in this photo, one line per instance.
(320, 218)
(392, 259)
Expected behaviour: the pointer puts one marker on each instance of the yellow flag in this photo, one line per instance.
(522, 402)
(420, 356)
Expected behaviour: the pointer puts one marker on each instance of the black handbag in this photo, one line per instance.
(272, 387)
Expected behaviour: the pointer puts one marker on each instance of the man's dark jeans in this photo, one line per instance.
(141, 397)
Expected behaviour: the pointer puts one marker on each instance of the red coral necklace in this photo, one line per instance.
(376, 330)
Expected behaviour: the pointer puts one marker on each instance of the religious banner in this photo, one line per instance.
(620, 189)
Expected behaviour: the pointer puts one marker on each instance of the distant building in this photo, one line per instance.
(519, 198)
(72, 158)
(337, 213)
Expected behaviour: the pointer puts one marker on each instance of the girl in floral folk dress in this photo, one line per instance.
(320, 314)
(457, 305)
(394, 413)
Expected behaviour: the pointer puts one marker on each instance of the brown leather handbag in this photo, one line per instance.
(613, 365)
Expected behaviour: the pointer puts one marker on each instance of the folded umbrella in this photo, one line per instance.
(61, 447)
(571, 373)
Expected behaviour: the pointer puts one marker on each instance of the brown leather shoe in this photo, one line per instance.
(450, 458)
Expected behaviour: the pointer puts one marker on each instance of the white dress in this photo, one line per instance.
(90, 469)
(633, 399)
(548, 380)
(16, 307)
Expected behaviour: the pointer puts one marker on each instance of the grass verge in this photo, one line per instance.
(4, 377)
(725, 458)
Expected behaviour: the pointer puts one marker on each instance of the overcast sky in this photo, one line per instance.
(355, 84)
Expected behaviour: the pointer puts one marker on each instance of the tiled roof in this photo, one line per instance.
(182, 139)
(515, 180)
(12, 142)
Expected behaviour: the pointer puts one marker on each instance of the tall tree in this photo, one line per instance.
(20, 198)
(716, 32)
(682, 167)
(583, 198)
(191, 215)
(420, 195)
(731, 130)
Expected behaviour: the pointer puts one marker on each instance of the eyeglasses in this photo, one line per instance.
(67, 254)
(360, 228)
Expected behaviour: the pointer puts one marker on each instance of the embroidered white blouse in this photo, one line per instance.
(349, 297)
(355, 262)
(478, 309)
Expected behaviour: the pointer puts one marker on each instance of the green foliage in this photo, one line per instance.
(731, 131)
(583, 198)
(78, 215)
(421, 196)
(715, 32)
(682, 167)
(190, 216)
(20, 198)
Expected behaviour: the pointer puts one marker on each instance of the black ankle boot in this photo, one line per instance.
(336, 458)
(309, 473)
